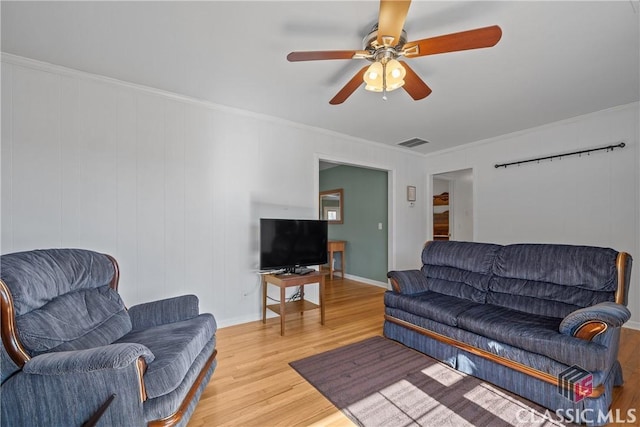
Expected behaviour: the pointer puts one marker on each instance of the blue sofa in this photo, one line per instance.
(73, 355)
(540, 320)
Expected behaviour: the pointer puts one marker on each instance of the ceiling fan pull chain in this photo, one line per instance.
(384, 80)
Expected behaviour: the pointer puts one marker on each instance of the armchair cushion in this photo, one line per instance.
(168, 310)
(74, 321)
(37, 277)
(175, 347)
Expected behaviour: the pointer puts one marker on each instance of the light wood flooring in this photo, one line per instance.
(254, 385)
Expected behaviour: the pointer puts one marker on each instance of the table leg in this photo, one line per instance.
(264, 300)
(322, 300)
(302, 299)
(331, 264)
(282, 309)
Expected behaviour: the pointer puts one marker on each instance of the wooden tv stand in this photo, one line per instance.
(283, 308)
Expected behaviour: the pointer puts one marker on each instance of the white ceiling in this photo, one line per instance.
(555, 60)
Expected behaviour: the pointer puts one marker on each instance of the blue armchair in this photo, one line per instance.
(73, 355)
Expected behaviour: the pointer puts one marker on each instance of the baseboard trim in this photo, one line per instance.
(365, 280)
(632, 325)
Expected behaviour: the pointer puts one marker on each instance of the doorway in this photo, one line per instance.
(365, 225)
(452, 205)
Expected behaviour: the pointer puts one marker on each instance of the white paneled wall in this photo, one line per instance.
(172, 187)
(584, 200)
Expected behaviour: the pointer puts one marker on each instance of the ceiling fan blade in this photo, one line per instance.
(349, 88)
(391, 19)
(465, 40)
(322, 54)
(414, 85)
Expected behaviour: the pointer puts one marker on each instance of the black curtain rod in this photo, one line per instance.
(559, 156)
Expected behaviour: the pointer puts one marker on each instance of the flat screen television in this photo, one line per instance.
(287, 244)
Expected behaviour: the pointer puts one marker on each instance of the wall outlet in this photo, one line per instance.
(379, 226)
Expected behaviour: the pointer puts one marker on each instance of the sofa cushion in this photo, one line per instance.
(77, 320)
(432, 305)
(585, 267)
(552, 280)
(175, 347)
(469, 256)
(457, 283)
(537, 334)
(542, 298)
(459, 269)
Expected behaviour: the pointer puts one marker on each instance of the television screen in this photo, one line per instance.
(289, 243)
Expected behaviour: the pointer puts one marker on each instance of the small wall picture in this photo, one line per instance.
(411, 193)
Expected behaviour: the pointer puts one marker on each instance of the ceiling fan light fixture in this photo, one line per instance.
(395, 75)
(386, 75)
(373, 77)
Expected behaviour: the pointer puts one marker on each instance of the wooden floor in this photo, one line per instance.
(254, 385)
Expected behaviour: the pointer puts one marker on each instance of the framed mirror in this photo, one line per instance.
(331, 206)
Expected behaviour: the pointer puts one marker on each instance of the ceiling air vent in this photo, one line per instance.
(413, 142)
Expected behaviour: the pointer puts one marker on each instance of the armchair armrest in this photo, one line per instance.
(70, 387)
(408, 281)
(164, 311)
(589, 322)
(114, 356)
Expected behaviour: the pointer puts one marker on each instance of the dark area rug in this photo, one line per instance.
(379, 382)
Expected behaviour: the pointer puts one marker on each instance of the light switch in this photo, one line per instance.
(379, 226)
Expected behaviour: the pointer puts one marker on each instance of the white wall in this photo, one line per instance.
(172, 187)
(462, 206)
(587, 200)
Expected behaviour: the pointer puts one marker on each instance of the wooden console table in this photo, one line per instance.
(336, 246)
(283, 308)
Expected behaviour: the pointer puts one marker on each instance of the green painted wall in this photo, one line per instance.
(365, 206)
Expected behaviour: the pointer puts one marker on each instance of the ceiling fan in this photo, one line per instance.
(387, 42)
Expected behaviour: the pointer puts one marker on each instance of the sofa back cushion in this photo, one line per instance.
(460, 269)
(551, 279)
(62, 299)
